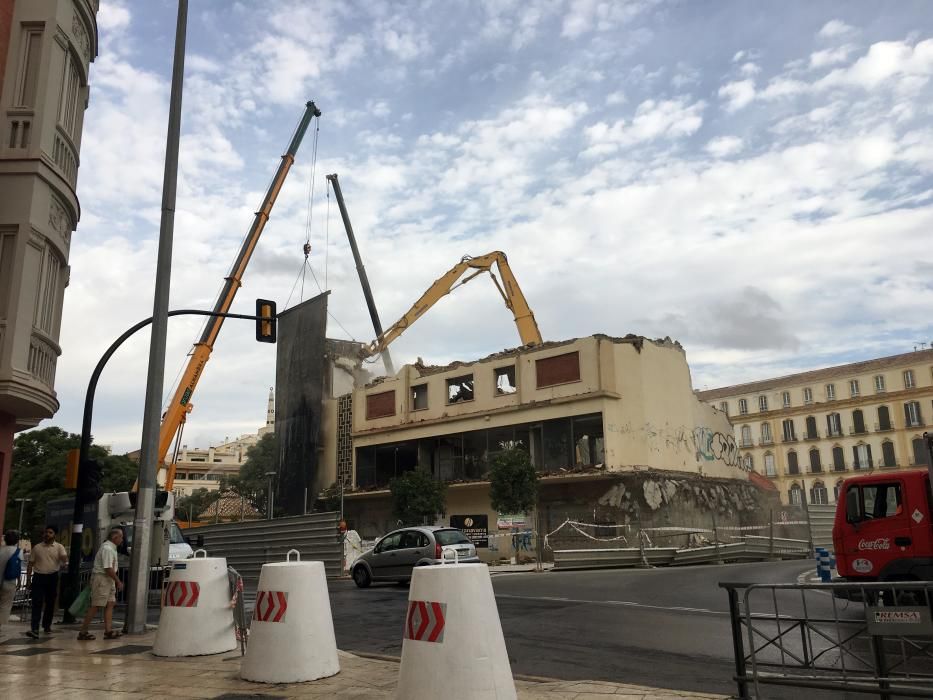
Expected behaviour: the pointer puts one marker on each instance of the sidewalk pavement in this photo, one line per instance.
(59, 666)
(518, 568)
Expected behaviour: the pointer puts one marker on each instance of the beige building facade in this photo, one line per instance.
(807, 432)
(46, 47)
(588, 410)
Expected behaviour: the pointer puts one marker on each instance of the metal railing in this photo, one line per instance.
(868, 638)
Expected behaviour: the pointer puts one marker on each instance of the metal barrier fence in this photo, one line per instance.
(250, 544)
(871, 638)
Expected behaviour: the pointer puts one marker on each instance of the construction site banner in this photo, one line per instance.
(299, 391)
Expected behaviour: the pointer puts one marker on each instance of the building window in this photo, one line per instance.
(460, 389)
(837, 489)
(762, 403)
(749, 463)
(68, 100)
(29, 67)
(862, 453)
(505, 380)
(419, 397)
(879, 382)
(839, 459)
(811, 428)
(743, 407)
(830, 392)
(769, 465)
(46, 303)
(909, 379)
(853, 388)
(724, 407)
(884, 418)
(818, 494)
(888, 458)
(816, 465)
(808, 395)
(766, 438)
(912, 414)
(792, 466)
(785, 399)
(858, 422)
(833, 425)
(380, 405)
(795, 495)
(560, 369)
(788, 427)
(746, 436)
(921, 453)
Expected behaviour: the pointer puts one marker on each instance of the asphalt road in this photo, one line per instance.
(666, 627)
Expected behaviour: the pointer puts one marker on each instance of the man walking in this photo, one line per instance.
(104, 586)
(45, 561)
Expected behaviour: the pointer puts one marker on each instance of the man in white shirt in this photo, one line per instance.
(45, 561)
(104, 586)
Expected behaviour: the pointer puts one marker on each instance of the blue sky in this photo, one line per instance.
(752, 179)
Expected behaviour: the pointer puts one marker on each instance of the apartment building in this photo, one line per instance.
(807, 432)
(46, 47)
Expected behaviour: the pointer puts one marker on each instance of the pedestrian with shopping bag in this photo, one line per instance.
(104, 586)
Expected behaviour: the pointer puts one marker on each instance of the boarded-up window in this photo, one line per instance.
(560, 369)
(380, 405)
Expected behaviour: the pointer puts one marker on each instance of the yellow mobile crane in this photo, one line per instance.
(181, 405)
(511, 293)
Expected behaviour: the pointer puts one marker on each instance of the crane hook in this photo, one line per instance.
(307, 249)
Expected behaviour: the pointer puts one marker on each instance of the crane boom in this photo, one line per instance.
(200, 354)
(511, 293)
(364, 279)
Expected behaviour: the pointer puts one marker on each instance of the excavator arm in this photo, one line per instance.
(471, 267)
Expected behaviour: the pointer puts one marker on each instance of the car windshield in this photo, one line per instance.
(445, 537)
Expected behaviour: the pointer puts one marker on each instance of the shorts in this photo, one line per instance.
(103, 590)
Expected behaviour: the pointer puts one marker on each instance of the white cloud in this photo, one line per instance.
(830, 57)
(113, 16)
(737, 94)
(750, 69)
(668, 119)
(724, 146)
(835, 28)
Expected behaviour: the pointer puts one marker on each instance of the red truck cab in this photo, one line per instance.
(883, 529)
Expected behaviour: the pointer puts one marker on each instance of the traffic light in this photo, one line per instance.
(89, 480)
(265, 321)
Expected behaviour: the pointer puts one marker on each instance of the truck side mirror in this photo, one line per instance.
(853, 506)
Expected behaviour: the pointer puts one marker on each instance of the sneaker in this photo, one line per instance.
(32, 634)
(47, 630)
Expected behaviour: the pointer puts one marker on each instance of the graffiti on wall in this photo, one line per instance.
(712, 445)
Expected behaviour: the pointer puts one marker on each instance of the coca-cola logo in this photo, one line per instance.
(880, 543)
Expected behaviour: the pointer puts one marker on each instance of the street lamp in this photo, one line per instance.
(271, 476)
(22, 506)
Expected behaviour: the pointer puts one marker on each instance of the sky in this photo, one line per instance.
(754, 180)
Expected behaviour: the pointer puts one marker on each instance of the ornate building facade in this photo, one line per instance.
(807, 432)
(46, 48)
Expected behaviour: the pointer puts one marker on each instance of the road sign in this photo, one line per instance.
(270, 606)
(182, 594)
(425, 621)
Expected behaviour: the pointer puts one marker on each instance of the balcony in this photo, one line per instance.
(833, 432)
(915, 424)
(840, 467)
(789, 438)
(746, 443)
(855, 430)
(887, 427)
(816, 470)
(863, 466)
(889, 465)
(815, 435)
(764, 442)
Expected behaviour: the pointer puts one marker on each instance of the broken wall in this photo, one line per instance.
(299, 393)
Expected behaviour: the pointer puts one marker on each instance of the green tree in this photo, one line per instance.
(417, 496)
(39, 458)
(513, 481)
(252, 483)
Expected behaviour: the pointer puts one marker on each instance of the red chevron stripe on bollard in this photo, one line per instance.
(182, 594)
(270, 606)
(425, 621)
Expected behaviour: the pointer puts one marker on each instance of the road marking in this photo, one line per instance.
(620, 603)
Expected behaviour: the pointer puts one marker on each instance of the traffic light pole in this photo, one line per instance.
(71, 585)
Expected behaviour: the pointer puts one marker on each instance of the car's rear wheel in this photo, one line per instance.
(361, 577)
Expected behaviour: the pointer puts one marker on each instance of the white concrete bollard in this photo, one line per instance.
(196, 616)
(452, 645)
(291, 635)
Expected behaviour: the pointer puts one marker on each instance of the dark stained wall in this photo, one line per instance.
(299, 393)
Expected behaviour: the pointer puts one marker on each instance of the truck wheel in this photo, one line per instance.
(361, 577)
